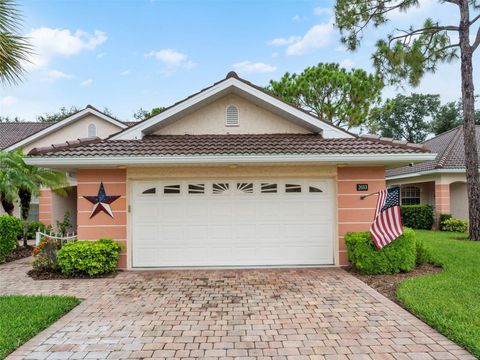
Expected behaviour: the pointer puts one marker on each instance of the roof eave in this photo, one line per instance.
(327, 159)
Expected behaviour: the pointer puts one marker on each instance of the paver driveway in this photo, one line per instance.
(255, 314)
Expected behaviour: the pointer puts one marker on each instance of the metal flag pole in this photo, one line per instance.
(365, 196)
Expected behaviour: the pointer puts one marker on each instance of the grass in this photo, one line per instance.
(449, 301)
(22, 317)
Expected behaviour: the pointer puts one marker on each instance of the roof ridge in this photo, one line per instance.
(61, 146)
(448, 149)
(386, 140)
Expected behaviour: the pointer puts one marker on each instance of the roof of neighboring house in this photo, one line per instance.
(449, 149)
(230, 144)
(13, 132)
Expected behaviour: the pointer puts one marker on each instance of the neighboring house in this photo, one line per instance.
(230, 176)
(440, 182)
(86, 123)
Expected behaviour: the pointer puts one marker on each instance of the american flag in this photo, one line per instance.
(387, 225)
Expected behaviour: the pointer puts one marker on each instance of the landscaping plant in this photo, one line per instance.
(89, 257)
(454, 225)
(10, 226)
(398, 256)
(417, 216)
(45, 255)
(442, 218)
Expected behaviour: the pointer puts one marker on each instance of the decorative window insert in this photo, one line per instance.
(196, 188)
(171, 189)
(232, 116)
(410, 195)
(91, 130)
(150, 191)
(268, 188)
(293, 188)
(314, 189)
(247, 188)
(220, 188)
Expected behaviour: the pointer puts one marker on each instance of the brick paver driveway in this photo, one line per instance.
(254, 314)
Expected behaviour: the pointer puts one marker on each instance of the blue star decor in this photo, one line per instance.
(101, 202)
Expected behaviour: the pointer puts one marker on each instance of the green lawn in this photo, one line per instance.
(22, 317)
(450, 300)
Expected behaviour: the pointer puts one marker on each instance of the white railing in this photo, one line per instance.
(63, 239)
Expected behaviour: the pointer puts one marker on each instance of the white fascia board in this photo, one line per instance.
(67, 121)
(137, 131)
(428, 172)
(378, 159)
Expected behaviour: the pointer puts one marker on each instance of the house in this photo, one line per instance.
(440, 182)
(229, 176)
(86, 123)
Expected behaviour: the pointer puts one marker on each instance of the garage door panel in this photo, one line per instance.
(232, 224)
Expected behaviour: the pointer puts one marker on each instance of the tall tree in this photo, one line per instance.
(406, 117)
(407, 54)
(343, 97)
(449, 116)
(142, 114)
(14, 48)
(59, 115)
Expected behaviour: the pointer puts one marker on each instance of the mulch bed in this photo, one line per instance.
(52, 275)
(387, 284)
(20, 252)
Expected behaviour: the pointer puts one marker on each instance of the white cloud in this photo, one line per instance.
(87, 82)
(247, 67)
(298, 18)
(171, 59)
(48, 43)
(57, 74)
(284, 41)
(317, 37)
(126, 72)
(8, 100)
(101, 55)
(347, 63)
(320, 11)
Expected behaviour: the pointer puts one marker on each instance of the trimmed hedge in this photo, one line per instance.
(454, 225)
(89, 257)
(10, 226)
(398, 256)
(442, 218)
(417, 216)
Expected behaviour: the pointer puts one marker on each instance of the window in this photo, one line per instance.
(268, 188)
(232, 116)
(247, 188)
(410, 195)
(196, 188)
(171, 189)
(92, 130)
(314, 189)
(293, 188)
(150, 191)
(220, 188)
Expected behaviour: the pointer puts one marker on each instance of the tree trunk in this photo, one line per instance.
(8, 206)
(25, 198)
(469, 131)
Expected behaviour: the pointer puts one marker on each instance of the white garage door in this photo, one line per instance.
(232, 223)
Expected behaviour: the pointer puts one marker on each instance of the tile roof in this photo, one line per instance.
(13, 132)
(449, 149)
(231, 144)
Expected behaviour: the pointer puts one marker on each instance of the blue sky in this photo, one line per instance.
(124, 55)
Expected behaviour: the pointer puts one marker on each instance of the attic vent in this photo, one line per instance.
(232, 118)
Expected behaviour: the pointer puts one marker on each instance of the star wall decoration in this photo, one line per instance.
(101, 202)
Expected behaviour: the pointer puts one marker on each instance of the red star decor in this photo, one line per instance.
(101, 202)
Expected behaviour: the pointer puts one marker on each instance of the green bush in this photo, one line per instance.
(442, 218)
(417, 216)
(45, 255)
(398, 256)
(89, 257)
(10, 226)
(454, 225)
(32, 228)
(423, 255)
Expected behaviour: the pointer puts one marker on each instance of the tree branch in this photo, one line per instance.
(474, 19)
(477, 41)
(456, 2)
(432, 29)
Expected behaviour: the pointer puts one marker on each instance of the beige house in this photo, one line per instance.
(440, 182)
(87, 123)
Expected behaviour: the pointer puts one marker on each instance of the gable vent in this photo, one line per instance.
(232, 118)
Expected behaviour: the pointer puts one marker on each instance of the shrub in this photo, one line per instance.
(89, 257)
(417, 216)
(33, 227)
(398, 256)
(45, 254)
(442, 218)
(65, 226)
(454, 225)
(423, 255)
(10, 227)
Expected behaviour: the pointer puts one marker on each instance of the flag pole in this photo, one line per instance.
(365, 196)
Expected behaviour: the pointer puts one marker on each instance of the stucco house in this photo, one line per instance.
(440, 182)
(229, 176)
(86, 123)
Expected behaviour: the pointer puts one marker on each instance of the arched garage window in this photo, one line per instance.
(92, 130)
(410, 195)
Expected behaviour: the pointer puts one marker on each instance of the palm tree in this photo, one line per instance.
(22, 180)
(15, 49)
